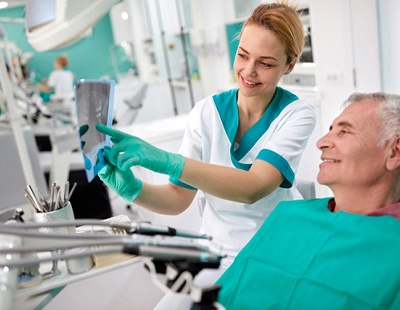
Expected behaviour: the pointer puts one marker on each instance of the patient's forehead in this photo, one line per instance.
(361, 115)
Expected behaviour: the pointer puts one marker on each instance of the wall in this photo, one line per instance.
(389, 22)
(365, 44)
(345, 41)
(345, 50)
(214, 63)
(89, 57)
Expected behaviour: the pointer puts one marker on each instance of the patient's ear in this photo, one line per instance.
(393, 162)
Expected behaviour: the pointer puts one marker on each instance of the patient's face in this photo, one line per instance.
(350, 155)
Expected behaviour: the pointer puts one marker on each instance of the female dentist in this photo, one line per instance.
(241, 147)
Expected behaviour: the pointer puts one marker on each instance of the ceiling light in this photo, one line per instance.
(3, 4)
(124, 15)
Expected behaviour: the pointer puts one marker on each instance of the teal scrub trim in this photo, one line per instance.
(279, 163)
(181, 184)
(226, 105)
(280, 100)
(275, 160)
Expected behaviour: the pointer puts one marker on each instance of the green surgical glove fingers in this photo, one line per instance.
(83, 129)
(133, 151)
(129, 151)
(124, 183)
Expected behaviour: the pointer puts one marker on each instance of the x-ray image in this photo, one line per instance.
(94, 105)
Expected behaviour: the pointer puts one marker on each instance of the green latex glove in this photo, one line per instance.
(124, 183)
(129, 151)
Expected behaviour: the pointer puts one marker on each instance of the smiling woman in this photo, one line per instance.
(241, 147)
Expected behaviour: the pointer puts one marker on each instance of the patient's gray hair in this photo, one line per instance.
(389, 110)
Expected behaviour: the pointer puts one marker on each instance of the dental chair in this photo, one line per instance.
(306, 188)
(133, 104)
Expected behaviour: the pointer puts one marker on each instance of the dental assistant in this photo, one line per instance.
(61, 80)
(241, 147)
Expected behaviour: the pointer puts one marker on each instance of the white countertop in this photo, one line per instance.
(159, 130)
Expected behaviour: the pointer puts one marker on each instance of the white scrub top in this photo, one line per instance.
(63, 82)
(279, 138)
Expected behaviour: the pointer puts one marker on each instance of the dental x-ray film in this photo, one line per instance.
(94, 101)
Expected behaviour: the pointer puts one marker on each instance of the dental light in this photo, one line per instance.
(52, 24)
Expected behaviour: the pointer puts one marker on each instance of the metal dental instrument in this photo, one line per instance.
(32, 202)
(151, 229)
(32, 198)
(57, 199)
(71, 192)
(66, 192)
(43, 201)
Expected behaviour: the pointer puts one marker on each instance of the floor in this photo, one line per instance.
(126, 288)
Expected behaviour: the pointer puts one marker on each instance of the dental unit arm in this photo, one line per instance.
(54, 24)
(162, 249)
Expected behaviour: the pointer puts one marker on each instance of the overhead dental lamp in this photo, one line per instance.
(52, 24)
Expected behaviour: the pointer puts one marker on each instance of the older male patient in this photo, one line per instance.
(333, 253)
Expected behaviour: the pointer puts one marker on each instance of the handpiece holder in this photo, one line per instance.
(203, 298)
(206, 298)
(173, 270)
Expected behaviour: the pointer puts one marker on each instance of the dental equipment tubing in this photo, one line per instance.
(158, 248)
(19, 238)
(157, 252)
(151, 229)
(144, 228)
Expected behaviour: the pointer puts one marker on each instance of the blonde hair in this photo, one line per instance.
(283, 19)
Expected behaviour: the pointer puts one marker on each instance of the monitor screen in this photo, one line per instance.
(94, 105)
